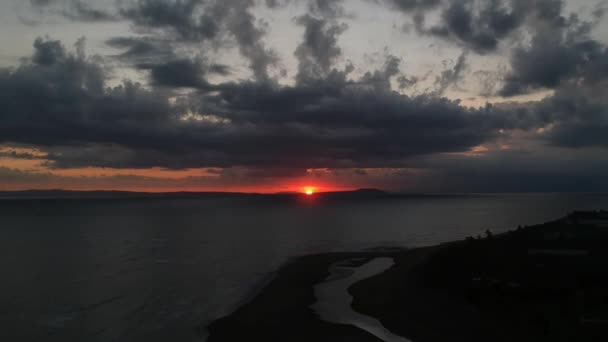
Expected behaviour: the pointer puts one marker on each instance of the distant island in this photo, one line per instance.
(546, 282)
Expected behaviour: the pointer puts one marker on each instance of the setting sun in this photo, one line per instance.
(309, 190)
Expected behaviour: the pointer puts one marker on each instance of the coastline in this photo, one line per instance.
(282, 307)
(478, 289)
(281, 310)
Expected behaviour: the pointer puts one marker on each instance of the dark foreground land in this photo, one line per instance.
(541, 283)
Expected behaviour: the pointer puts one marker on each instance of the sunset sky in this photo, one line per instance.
(278, 95)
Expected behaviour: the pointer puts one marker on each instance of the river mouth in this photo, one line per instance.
(334, 302)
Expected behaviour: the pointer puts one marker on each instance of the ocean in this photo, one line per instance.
(161, 269)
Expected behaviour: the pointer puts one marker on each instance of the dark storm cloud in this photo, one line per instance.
(276, 3)
(59, 102)
(560, 50)
(62, 98)
(207, 20)
(81, 11)
(177, 73)
(249, 39)
(412, 5)
(319, 48)
(481, 31)
(513, 171)
(556, 55)
(323, 8)
(482, 25)
(47, 52)
(139, 50)
(64, 106)
(381, 79)
(476, 25)
(327, 9)
(178, 16)
(183, 72)
(76, 10)
(578, 115)
(156, 56)
(581, 134)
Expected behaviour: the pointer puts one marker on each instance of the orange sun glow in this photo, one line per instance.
(309, 191)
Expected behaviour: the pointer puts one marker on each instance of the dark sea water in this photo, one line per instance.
(161, 269)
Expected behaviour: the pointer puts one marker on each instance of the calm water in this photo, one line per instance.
(160, 269)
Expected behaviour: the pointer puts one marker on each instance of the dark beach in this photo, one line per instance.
(538, 283)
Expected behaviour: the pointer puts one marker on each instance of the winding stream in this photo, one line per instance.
(334, 301)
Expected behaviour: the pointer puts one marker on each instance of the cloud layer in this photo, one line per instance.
(193, 112)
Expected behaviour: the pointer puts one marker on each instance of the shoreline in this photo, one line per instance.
(477, 289)
(283, 306)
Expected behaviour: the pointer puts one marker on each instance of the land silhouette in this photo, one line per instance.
(547, 282)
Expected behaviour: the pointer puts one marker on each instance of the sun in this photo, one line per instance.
(308, 191)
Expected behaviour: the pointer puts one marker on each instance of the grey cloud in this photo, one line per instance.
(556, 55)
(208, 20)
(64, 107)
(177, 73)
(275, 3)
(327, 9)
(76, 10)
(561, 49)
(514, 171)
(413, 5)
(47, 52)
(452, 76)
(578, 116)
(81, 11)
(249, 39)
(475, 25)
(143, 49)
(42, 2)
(320, 8)
(183, 72)
(60, 99)
(488, 81)
(481, 25)
(319, 48)
(381, 79)
(581, 134)
(175, 15)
